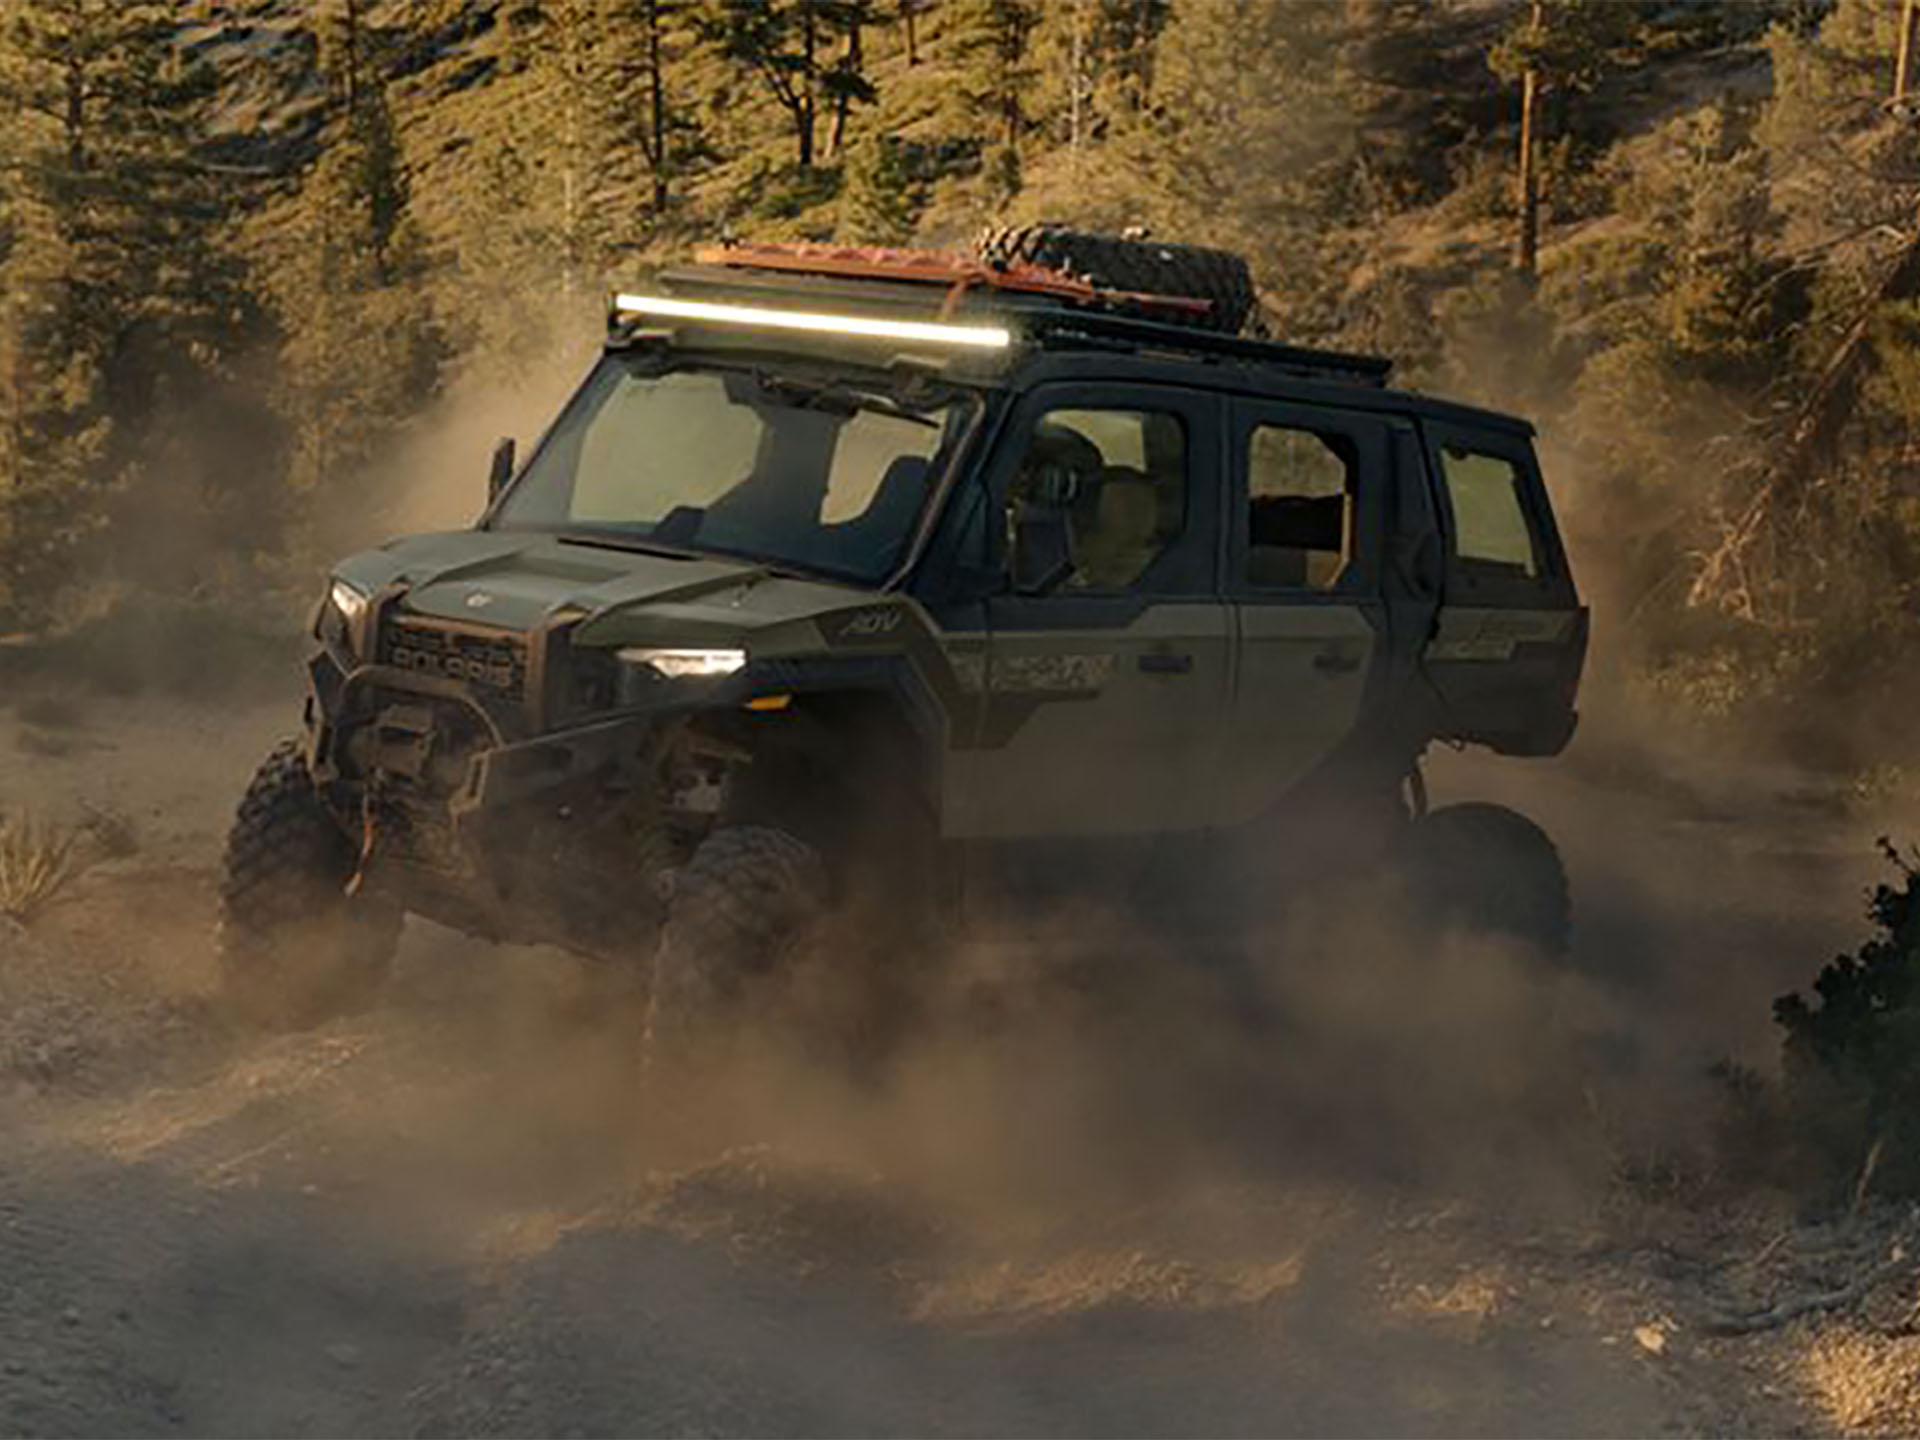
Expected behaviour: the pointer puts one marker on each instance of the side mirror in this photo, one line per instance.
(1042, 548)
(501, 470)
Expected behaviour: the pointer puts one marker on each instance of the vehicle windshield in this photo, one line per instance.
(820, 473)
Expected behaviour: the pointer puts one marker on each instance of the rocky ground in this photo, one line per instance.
(460, 1215)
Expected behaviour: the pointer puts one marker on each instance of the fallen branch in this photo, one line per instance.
(1810, 441)
(1788, 1311)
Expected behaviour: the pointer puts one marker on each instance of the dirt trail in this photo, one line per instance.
(455, 1216)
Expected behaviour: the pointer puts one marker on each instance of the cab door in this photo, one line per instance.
(1507, 652)
(1106, 687)
(1305, 501)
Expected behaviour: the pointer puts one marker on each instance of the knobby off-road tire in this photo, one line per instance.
(1147, 266)
(295, 949)
(1484, 869)
(746, 900)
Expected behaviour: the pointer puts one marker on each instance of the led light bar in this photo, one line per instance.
(983, 337)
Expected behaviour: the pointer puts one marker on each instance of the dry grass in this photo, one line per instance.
(37, 862)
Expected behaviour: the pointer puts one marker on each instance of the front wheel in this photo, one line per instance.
(744, 902)
(295, 948)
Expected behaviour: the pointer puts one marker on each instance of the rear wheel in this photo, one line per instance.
(295, 948)
(1488, 870)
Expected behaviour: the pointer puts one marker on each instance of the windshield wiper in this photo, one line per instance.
(839, 397)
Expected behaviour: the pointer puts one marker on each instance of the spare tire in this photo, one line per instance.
(1152, 267)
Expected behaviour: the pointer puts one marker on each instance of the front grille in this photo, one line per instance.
(494, 662)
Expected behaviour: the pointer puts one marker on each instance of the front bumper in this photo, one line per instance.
(462, 812)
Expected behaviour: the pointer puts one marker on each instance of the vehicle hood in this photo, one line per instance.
(521, 582)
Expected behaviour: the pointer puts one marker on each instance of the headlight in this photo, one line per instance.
(351, 603)
(339, 625)
(684, 664)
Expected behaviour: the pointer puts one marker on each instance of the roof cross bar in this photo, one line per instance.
(1067, 325)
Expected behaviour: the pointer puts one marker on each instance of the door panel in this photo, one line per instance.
(1105, 695)
(1097, 731)
(1306, 506)
(1304, 667)
(1507, 651)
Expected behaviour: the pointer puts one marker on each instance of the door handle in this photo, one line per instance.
(1337, 661)
(1166, 662)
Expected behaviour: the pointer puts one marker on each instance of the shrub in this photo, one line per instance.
(37, 862)
(1852, 1056)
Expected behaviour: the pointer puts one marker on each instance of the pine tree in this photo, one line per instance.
(561, 50)
(907, 13)
(363, 349)
(787, 44)
(1847, 165)
(643, 43)
(881, 200)
(845, 82)
(993, 67)
(123, 305)
(1094, 67)
(1120, 41)
(1563, 46)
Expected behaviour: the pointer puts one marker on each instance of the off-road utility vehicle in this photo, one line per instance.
(950, 579)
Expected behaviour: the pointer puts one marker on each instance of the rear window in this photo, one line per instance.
(1489, 511)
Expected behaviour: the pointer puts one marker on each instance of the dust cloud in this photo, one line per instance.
(1103, 1187)
(435, 476)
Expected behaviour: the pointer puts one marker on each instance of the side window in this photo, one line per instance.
(1489, 515)
(1121, 478)
(1301, 489)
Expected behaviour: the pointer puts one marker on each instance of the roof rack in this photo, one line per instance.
(958, 273)
(1048, 307)
(1066, 328)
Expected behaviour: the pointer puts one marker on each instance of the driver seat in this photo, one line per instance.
(1125, 534)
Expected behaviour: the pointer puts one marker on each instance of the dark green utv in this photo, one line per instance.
(951, 582)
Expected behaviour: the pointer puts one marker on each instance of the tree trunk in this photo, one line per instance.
(909, 9)
(74, 123)
(1830, 404)
(352, 76)
(573, 70)
(1909, 19)
(1076, 86)
(1526, 254)
(1140, 56)
(844, 101)
(804, 91)
(1808, 448)
(657, 105)
(1010, 46)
